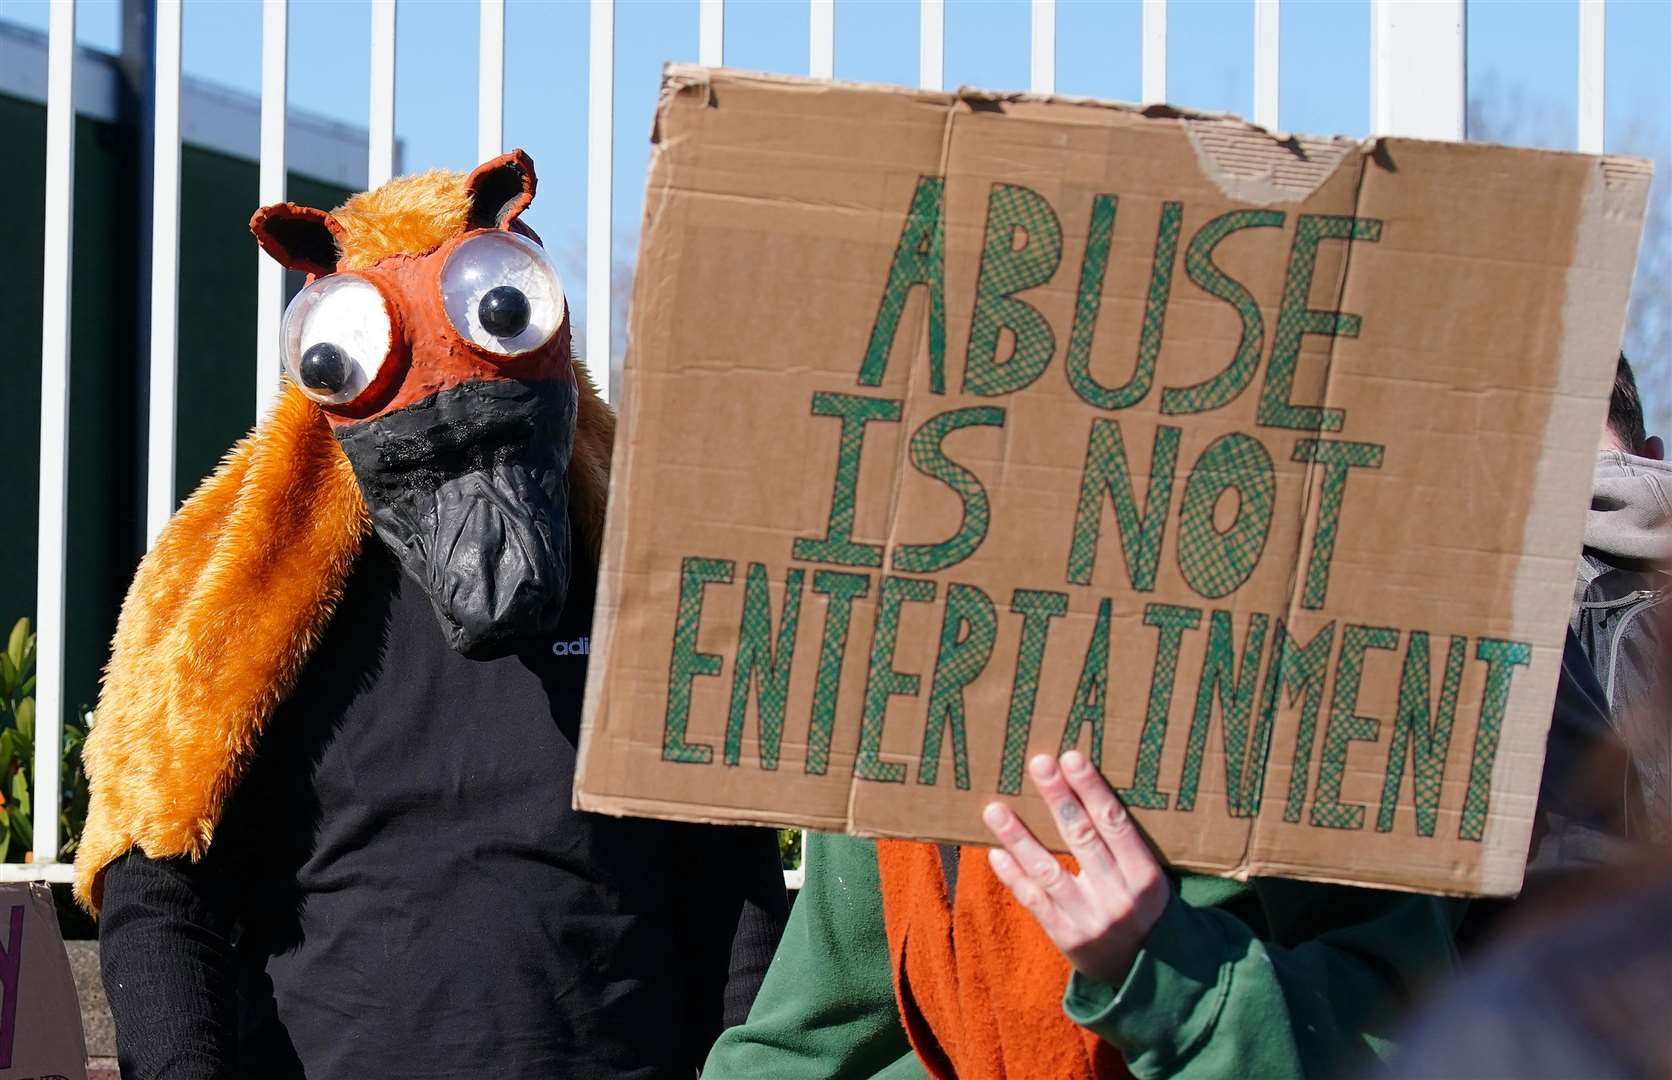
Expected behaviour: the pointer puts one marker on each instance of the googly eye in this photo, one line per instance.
(501, 293)
(337, 335)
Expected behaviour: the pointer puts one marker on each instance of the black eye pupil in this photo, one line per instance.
(504, 311)
(324, 367)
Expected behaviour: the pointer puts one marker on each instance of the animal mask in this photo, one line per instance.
(446, 377)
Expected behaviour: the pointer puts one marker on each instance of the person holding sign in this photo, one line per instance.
(902, 959)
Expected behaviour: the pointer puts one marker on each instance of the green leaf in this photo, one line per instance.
(8, 748)
(20, 793)
(8, 676)
(22, 828)
(28, 687)
(26, 718)
(5, 840)
(15, 644)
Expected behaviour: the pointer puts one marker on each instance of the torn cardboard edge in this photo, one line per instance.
(1230, 147)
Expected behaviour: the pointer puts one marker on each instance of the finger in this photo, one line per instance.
(1040, 865)
(1028, 893)
(1074, 823)
(1113, 823)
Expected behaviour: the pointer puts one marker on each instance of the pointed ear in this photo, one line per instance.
(298, 237)
(500, 190)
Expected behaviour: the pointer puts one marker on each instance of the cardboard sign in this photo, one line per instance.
(40, 1015)
(960, 427)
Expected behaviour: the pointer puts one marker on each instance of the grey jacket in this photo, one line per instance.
(1622, 604)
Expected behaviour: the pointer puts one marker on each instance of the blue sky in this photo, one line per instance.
(1523, 69)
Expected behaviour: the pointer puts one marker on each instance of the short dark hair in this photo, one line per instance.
(1625, 408)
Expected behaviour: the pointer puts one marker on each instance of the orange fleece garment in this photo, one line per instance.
(978, 984)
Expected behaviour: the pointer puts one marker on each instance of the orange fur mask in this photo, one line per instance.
(224, 612)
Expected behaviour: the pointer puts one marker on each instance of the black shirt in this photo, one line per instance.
(399, 886)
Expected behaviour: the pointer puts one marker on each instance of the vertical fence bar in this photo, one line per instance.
(490, 88)
(275, 26)
(931, 44)
(821, 43)
(1154, 32)
(600, 161)
(165, 272)
(1418, 64)
(1593, 27)
(380, 162)
(1266, 51)
(711, 32)
(55, 424)
(1043, 68)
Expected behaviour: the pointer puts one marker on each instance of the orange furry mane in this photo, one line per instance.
(407, 216)
(225, 611)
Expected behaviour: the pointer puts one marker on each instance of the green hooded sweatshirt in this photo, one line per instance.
(1265, 979)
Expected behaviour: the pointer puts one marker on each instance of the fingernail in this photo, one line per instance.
(1043, 767)
(995, 814)
(1074, 761)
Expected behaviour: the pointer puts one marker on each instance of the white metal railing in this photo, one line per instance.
(1417, 77)
(55, 423)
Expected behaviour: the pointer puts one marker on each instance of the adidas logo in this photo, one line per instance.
(581, 646)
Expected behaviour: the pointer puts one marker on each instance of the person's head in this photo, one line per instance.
(1624, 430)
(433, 335)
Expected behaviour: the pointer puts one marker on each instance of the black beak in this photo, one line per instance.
(470, 490)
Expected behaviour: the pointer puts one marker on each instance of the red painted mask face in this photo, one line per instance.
(446, 378)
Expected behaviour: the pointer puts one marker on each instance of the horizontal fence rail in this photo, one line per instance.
(1417, 82)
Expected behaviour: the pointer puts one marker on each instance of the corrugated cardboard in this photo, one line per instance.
(40, 1015)
(1101, 409)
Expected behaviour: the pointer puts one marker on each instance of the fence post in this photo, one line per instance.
(1043, 65)
(275, 19)
(600, 160)
(490, 84)
(165, 270)
(1593, 36)
(1418, 62)
(1267, 50)
(59, 224)
(931, 41)
(380, 132)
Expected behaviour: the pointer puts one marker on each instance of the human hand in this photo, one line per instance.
(1099, 917)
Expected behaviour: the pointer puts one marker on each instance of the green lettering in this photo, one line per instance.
(1091, 697)
(1295, 319)
(919, 259)
(1235, 691)
(1336, 458)
(687, 663)
(1297, 670)
(1224, 387)
(930, 460)
(1345, 726)
(1037, 610)
(1089, 301)
(1502, 658)
(1216, 563)
(966, 644)
(882, 681)
(837, 544)
(842, 589)
(1431, 736)
(1008, 268)
(1107, 474)
(1171, 622)
(760, 663)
